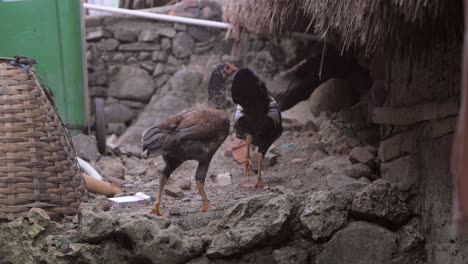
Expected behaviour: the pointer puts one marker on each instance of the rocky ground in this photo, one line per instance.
(326, 201)
(325, 204)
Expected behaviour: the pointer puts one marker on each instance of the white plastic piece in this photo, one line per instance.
(138, 199)
(88, 169)
(162, 17)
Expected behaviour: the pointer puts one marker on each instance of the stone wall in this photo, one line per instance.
(131, 59)
(418, 121)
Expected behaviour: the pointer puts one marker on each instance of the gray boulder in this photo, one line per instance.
(252, 221)
(411, 236)
(24, 239)
(118, 113)
(132, 83)
(361, 155)
(345, 187)
(297, 117)
(182, 45)
(330, 164)
(94, 224)
(323, 214)
(200, 33)
(108, 44)
(183, 90)
(380, 200)
(105, 252)
(357, 171)
(126, 35)
(290, 255)
(86, 147)
(359, 243)
(332, 96)
(111, 168)
(167, 32)
(338, 138)
(155, 244)
(148, 36)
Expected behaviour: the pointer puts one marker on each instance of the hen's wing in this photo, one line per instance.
(194, 124)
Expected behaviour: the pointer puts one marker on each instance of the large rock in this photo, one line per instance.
(330, 165)
(200, 33)
(118, 113)
(361, 155)
(183, 90)
(108, 44)
(401, 171)
(341, 181)
(132, 83)
(105, 252)
(182, 45)
(338, 138)
(126, 35)
(298, 116)
(85, 147)
(411, 236)
(167, 32)
(359, 243)
(95, 224)
(290, 255)
(152, 243)
(110, 168)
(332, 96)
(323, 214)
(252, 221)
(32, 239)
(357, 171)
(380, 200)
(148, 36)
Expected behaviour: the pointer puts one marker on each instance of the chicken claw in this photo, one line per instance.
(248, 167)
(156, 210)
(205, 206)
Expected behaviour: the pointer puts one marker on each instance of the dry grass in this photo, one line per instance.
(408, 27)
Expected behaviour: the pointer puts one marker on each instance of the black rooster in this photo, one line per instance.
(194, 134)
(257, 118)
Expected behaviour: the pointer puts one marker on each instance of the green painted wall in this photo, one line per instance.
(50, 32)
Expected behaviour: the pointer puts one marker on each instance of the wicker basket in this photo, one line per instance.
(37, 162)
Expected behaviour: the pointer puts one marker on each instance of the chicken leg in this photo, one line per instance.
(200, 180)
(157, 204)
(259, 183)
(171, 165)
(248, 161)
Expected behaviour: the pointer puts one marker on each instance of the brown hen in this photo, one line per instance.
(194, 134)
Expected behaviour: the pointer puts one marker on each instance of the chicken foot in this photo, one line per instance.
(205, 202)
(157, 204)
(259, 183)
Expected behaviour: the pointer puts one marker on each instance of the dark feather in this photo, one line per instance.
(257, 113)
(249, 91)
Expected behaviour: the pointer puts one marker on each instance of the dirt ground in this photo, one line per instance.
(286, 165)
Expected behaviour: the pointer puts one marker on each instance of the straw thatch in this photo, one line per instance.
(376, 25)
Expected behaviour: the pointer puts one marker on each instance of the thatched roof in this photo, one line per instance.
(408, 26)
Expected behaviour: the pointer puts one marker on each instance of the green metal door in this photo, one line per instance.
(50, 31)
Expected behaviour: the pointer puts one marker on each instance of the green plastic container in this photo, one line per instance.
(50, 31)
